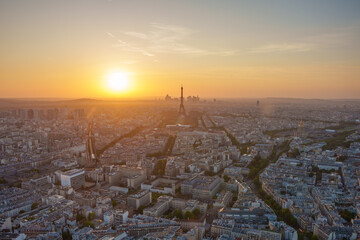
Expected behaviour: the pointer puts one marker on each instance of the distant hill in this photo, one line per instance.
(43, 102)
(82, 100)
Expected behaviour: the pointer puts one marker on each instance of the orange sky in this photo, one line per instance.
(214, 48)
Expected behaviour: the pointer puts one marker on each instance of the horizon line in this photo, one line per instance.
(153, 98)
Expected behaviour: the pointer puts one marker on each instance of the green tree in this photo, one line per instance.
(2, 181)
(66, 235)
(155, 196)
(91, 216)
(308, 234)
(34, 205)
(294, 153)
(318, 176)
(196, 212)
(159, 168)
(226, 178)
(114, 203)
(88, 224)
(314, 237)
(209, 173)
(300, 235)
(79, 217)
(347, 215)
(140, 210)
(178, 213)
(188, 215)
(234, 198)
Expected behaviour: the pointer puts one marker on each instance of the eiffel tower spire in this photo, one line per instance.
(182, 108)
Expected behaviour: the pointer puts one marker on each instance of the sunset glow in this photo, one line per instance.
(226, 49)
(118, 81)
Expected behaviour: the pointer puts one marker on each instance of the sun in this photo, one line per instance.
(118, 81)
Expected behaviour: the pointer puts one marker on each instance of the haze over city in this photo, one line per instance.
(221, 49)
(179, 120)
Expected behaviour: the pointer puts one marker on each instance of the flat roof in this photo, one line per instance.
(73, 172)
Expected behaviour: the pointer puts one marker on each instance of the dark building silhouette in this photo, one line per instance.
(193, 99)
(167, 97)
(182, 108)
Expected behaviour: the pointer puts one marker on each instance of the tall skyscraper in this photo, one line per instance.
(182, 108)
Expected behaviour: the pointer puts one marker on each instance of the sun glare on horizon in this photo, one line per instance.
(118, 81)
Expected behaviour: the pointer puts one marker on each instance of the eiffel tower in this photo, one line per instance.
(182, 108)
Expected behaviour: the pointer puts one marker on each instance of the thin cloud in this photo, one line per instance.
(136, 34)
(337, 37)
(110, 34)
(341, 37)
(125, 46)
(285, 47)
(166, 39)
(164, 32)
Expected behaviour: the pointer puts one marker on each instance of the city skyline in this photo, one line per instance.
(228, 49)
(179, 120)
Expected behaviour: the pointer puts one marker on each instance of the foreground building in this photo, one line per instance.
(74, 178)
(142, 198)
(201, 187)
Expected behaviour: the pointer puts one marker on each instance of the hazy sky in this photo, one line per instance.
(219, 48)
